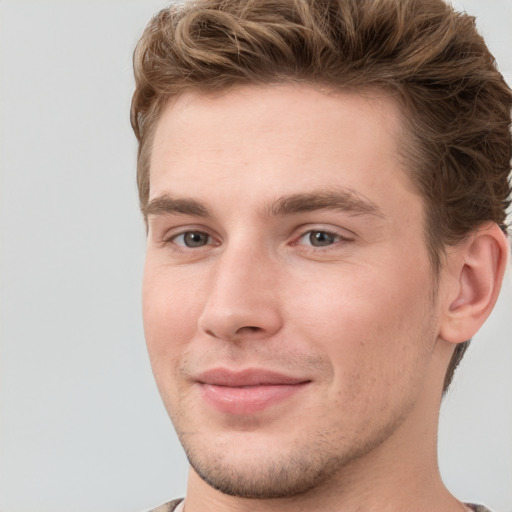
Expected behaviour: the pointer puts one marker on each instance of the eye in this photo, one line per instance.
(192, 239)
(319, 238)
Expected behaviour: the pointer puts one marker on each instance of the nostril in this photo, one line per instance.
(245, 329)
(234, 323)
(248, 328)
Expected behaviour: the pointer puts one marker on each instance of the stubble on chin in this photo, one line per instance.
(312, 466)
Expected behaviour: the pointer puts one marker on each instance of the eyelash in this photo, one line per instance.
(335, 238)
(182, 246)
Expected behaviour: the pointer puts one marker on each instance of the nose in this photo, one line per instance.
(243, 299)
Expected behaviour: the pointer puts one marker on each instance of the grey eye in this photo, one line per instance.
(192, 239)
(321, 238)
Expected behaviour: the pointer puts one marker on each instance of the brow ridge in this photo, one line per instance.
(168, 204)
(345, 200)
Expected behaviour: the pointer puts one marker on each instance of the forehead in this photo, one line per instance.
(258, 142)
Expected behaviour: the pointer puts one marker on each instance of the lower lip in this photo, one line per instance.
(248, 399)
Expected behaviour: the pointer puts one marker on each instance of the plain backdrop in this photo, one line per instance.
(82, 428)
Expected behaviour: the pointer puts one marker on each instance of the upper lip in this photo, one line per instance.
(247, 377)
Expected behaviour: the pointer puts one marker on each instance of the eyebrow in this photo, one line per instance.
(167, 204)
(345, 200)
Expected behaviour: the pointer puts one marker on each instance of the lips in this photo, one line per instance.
(248, 391)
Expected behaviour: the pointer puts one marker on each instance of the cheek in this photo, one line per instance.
(364, 323)
(170, 309)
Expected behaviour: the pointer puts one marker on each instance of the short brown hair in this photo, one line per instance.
(456, 105)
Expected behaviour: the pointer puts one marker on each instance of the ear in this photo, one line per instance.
(475, 273)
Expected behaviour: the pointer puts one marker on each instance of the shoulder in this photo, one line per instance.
(167, 507)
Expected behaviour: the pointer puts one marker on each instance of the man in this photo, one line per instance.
(325, 189)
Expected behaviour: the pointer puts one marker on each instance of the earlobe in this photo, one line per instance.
(480, 263)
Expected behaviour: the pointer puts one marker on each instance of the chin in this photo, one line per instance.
(248, 467)
(268, 478)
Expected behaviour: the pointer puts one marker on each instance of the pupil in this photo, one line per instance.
(195, 239)
(321, 238)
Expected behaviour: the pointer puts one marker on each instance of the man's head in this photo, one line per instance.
(322, 183)
(454, 104)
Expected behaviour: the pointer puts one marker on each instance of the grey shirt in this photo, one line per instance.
(171, 506)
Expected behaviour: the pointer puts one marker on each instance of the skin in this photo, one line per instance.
(341, 297)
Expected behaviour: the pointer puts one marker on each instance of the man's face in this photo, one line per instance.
(288, 298)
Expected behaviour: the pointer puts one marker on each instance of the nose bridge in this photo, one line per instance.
(242, 299)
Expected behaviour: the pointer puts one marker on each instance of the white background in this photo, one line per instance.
(81, 424)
